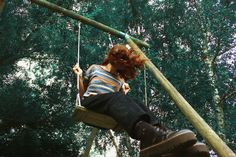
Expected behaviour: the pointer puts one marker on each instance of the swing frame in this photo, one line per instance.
(194, 118)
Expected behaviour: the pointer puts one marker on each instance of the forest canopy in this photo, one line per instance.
(192, 43)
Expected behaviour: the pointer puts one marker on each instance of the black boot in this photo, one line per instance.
(164, 139)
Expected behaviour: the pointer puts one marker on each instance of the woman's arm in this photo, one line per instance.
(80, 82)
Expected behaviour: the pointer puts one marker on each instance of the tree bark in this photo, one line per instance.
(2, 4)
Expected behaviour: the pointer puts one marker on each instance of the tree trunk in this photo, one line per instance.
(216, 100)
(2, 4)
(209, 61)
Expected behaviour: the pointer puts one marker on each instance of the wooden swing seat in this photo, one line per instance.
(95, 119)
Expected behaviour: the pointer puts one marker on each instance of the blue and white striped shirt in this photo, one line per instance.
(100, 81)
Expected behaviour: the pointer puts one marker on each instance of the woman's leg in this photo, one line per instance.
(153, 119)
(120, 107)
(135, 119)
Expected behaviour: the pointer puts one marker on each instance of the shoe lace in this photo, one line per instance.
(164, 131)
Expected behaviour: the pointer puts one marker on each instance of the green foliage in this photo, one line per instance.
(38, 97)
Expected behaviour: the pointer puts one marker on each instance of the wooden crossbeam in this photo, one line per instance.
(95, 119)
(87, 21)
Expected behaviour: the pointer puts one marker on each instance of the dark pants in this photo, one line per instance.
(125, 110)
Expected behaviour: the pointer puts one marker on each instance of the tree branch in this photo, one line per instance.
(217, 52)
(227, 49)
(16, 124)
(227, 96)
(9, 59)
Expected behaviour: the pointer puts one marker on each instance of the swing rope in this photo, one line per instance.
(110, 40)
(145, 86)
(78, 101)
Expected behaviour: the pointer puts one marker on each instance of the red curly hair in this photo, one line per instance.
(124, 61)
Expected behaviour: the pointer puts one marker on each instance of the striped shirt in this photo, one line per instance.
(100, 81)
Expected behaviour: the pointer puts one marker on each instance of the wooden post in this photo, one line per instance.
(203, 128)
(90, 142)
(114, 143)
(87, 21)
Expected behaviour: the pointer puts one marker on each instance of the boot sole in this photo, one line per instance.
(174, 143)
(197, 150)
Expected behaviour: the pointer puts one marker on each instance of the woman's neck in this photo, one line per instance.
(110, 68)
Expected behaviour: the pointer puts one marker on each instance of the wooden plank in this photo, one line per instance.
(94, 119)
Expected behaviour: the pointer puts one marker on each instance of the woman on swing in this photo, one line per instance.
(103, 89)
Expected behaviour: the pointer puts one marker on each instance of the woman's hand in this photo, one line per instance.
(77, 70)
(125, 88)
(80, 84)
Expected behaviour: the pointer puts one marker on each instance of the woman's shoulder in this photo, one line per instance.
(94, 66)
